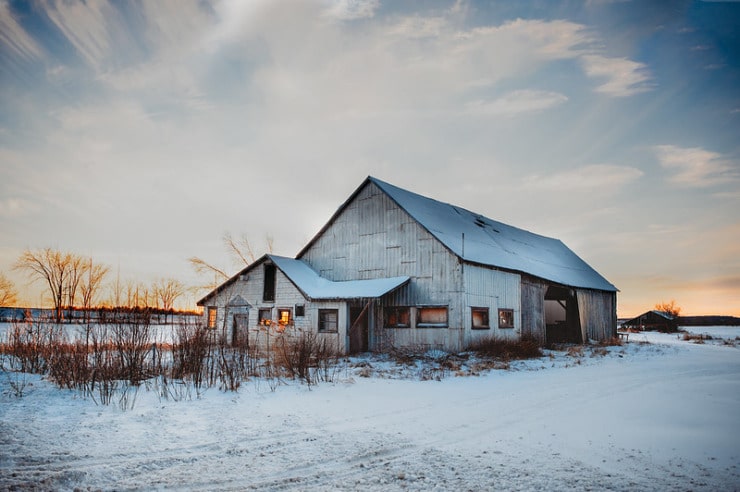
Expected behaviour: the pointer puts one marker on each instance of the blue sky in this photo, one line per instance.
(139, 133)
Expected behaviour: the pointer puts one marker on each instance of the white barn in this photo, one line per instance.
(394, 268)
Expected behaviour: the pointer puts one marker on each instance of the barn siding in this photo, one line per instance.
(250, 288)
(372, 238)
(492, 289)
(598, 314)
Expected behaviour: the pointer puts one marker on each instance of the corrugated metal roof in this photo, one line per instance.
(481, 240)
(316, 287)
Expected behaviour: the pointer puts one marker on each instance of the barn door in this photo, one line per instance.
(240, 330)
(358, 330)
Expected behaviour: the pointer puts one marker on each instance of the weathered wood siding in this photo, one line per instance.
(374, 238)
(493, 289)
(250, 288)
(533, 309)
(598, 314)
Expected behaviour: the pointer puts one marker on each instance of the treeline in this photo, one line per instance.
(100, 314)
(708, 321)
(75, 283)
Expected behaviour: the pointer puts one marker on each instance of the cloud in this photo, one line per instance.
(601, 177)
(517, 102)
(14, 36)
(351, 9)
(694, 166)
(12, 207)
(624, 77)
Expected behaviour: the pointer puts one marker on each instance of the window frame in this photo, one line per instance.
(396, 310)
(487, 318)
(428, 324)
(212, 319)
(264, 321)
(280, 321)
(300, 310)
(503, 313)
(323, 312)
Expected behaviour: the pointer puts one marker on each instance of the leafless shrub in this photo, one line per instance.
(307, 356)
(506, 349)
(696, 337)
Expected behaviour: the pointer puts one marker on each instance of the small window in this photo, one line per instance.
(328, 320)
(300, 310)
(265, 317)
(480, 318)
(268, 292)
(506, 318)
(397, 317)
(212, 313)
(285, 317)
(432, 317)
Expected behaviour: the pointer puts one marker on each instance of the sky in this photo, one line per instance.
(139, 133)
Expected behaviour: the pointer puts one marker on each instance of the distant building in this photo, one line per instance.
(392, 268)
(653, 321)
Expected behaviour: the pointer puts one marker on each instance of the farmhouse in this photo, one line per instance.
(393, 268)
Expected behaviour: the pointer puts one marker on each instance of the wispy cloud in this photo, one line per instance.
(694, 166)
(14, 36)
(624, 77)
(351, 9)
(602, 177)
(517, 102)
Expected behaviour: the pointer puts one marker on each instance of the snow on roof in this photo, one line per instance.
(317, 287)
(493, 243)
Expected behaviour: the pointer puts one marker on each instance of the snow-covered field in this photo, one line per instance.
(663, 415)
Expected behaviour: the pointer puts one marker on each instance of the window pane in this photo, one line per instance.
(328, 319)
(480, 318)
(397, 317)
(265, 317)
(284, 316)
(506, 318)
(212, 311)
(433, 316)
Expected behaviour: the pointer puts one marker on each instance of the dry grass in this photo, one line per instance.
(506, 349)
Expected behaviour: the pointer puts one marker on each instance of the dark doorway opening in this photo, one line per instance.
(562, 321)
(358, 328)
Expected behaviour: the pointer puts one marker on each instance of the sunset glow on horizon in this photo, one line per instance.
(139, 133)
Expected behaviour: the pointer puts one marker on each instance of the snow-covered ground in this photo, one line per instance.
(663, 415)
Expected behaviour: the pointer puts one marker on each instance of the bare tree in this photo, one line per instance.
(91, 281)
(167, 291)
(669, 308)
(50, 266)
(77, 266)
(8, 294)
(241, 252)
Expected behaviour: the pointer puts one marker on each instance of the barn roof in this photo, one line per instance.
(481, 240)
(478, 239)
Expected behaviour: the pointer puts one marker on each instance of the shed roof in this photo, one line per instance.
(316, 287)
(484, 241)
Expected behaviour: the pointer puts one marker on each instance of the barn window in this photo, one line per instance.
(284, 316)
(300, 310)
(397, 317)
(480, 318)
(268, 291)
(328, 320)
(265, 317)
(432, 317)
(506, 318)
(212, 313)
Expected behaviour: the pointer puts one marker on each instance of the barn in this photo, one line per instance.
(392, 268)
(653, 320)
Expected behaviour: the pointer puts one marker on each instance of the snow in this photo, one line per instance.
(317, 287)
(494, 243)
(658, 413)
